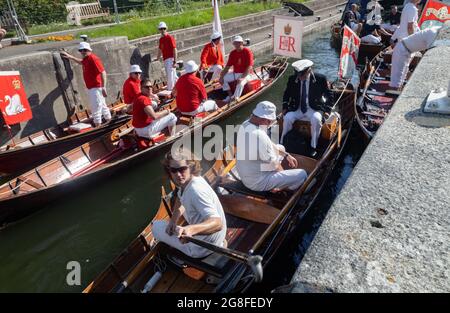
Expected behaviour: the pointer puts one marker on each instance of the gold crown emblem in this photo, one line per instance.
(16, 83)
(287, 29)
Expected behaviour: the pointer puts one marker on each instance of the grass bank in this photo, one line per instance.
(145, 27)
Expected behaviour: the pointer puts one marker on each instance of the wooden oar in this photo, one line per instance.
(253, 261)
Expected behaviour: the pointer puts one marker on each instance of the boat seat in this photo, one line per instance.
(144, 143)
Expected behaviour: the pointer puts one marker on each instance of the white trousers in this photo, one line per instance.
(371, 39)
(171, 73)
(399, 65)
(230, 77)
(157, 126)
(216, 70)
(98, 105)
(314, 117)
(190, 249)
(287, 179)
(206, 106)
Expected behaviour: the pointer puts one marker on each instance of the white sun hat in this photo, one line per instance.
(84, 45)
(215, 35)
(238, 39)
(162, 25)
(266, 109)
(302, 65)
(135, 69)
(191, 66)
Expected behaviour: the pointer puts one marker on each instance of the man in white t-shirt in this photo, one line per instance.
(259, 159)
(408, 21)
(404, 51)
(197, 203)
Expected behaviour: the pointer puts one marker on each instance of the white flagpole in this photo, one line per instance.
(217, 25)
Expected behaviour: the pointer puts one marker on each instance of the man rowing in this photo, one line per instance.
(190, 92)
(241, 59)
(211, 59)
(197, 203)
(307, 95)
(146, 121)
(168, 51)
(259, 159)
(132, 86)
(94, 76)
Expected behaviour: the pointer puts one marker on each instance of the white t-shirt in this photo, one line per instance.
(421, 40)
(257, 156)
(200, 203)
(410, 14)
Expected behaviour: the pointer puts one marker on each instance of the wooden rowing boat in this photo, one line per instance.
(376, 97)
(112, 152)
(258, 222)
(21, 155)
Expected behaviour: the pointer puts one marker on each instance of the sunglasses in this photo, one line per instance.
(83, 50)
(162, 28)
(148, 86)
(181, 169)
(136, 73)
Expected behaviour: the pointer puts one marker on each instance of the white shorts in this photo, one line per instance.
(157, 126)
(98, 105)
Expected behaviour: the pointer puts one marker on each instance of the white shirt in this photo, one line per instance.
(409, 15)
(421, 40)
(257, 156)
(200, 203)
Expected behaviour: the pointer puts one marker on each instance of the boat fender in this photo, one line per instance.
(152, 282)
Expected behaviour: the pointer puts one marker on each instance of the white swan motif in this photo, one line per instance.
(15, 105)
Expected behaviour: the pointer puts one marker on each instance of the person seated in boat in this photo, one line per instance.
(132, 87)
(258, 159)
(393, 21)
(351, 19)
(241, 59)
(211, 58)
(371, 32)
(196, 202)
(146, 121)
(404, 52)
(306, 96)
(190, 92)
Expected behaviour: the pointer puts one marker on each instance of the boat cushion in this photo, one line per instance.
(80, 127)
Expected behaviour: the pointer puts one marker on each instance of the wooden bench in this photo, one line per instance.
(7, 22)
(84, 11)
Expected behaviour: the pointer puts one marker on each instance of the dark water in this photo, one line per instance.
(95, 225)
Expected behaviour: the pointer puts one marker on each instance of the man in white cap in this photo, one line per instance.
(168, 51)
(404, 51)
(132, 86)
(408, 21)
(306, 96)
(191, 94)
(146, 121)
(241, 59)
(94, 75)
(212, 59)
(259, 159)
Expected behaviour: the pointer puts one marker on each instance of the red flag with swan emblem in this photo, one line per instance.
(13, 99)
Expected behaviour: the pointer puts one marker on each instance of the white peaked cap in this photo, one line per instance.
(135, 69)
(215, 35)
(302, 65)
(191, 66)
(266, 109)
(84, 45)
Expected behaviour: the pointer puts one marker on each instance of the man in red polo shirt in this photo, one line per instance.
(211, 59)
(168, 50)
(241, 59)
(191, 94)
(146, 121)
(132, 86)
(94, 75)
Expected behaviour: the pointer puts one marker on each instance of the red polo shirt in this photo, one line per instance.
(190, 92)
(131, 89)
(240, 60)
(167, 43)
(140, 118)
(211, 55)
(92, 69)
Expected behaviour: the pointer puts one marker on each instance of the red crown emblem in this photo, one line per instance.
(287, 29)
